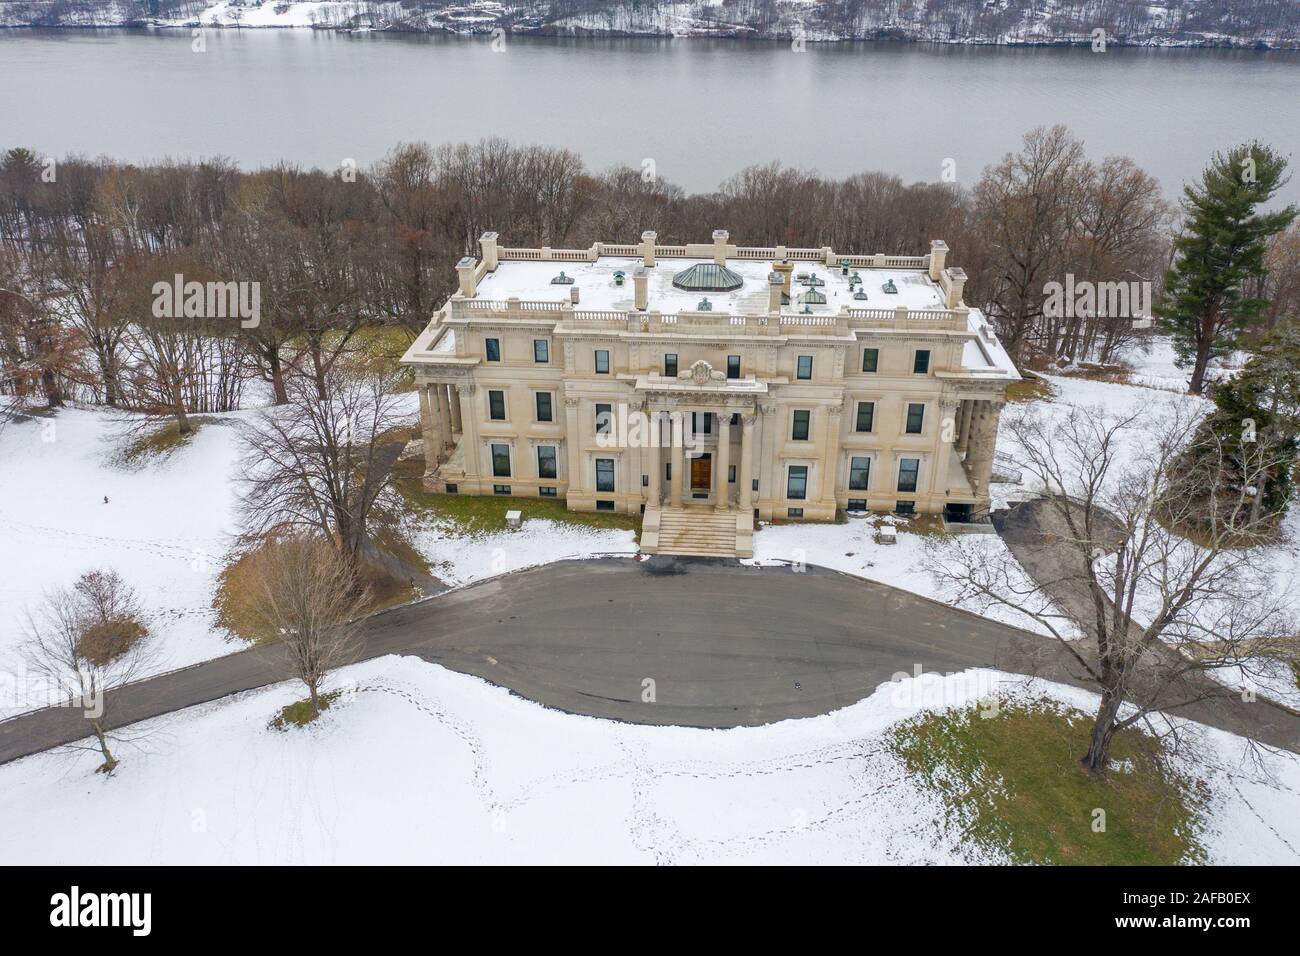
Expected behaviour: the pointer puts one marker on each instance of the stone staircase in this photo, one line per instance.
(697, 531)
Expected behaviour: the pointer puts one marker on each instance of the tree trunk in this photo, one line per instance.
(110, 762)
(50, 384)
(1198, 370)
(1097, 758)
(277, 374)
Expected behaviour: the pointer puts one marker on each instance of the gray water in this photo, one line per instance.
(699, 109)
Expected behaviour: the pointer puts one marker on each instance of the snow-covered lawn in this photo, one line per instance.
(851, 547)
(458, 558)
(165, 528)
(1280, 561)
(418, 764)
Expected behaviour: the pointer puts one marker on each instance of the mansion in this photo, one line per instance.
(710, 385)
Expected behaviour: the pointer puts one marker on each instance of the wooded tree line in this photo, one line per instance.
(83, 242)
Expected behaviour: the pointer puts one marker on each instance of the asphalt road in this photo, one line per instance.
(1038, 536)
(726, 645)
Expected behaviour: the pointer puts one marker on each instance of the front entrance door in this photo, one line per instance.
(702, 473)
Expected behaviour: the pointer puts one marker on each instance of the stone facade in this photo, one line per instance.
(757, 404)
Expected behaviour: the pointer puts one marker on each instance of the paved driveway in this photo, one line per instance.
(726, 645)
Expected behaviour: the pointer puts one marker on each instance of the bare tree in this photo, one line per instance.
(308, 595)
(1158, 611)
(83, 642)
(321, 465)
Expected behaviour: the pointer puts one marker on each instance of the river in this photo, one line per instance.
(699, 109)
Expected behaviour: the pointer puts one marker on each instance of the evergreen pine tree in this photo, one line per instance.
(1206, 305)
(1257, 419)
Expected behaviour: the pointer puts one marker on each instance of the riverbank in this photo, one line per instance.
(795, 21)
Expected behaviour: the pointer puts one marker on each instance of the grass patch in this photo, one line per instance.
(159, 442)
(299, 713)
(1013, 783)
(487, 513)
(1029, 390)
(238, 583)
(386, 343)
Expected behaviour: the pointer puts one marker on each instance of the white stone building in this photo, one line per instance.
(709, 385)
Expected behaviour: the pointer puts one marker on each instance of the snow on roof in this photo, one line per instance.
(446, 344)
(983, 355)
(531, 281)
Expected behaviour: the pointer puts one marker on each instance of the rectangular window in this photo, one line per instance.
(501, 461)
(796, 483)
(794, 512)
(602, 362)
(804, 369)
(541, 350)
(731, 473)
(546, 491)
(859, 474)
(866, 416)
(904, 507)
(544, 410)
(604, 505)
(800, 430)
(604, 474)
(500, 489)
(921, 364)
(915, 417)
(870, 360)
(604, 418)
(857, 504)
(670, 364)
(908, 468)
(733, 366)
(496, 405)
(452, 489)
(701, 423)
(546, 461)
(493, 349)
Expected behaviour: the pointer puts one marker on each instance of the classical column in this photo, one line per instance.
(429, 431)
(653, 456)
(744, 474)
(573, 441)
(470, 439)
(678, 458)
(831, 450)
(444, 417)
(983, 438)
(723, 500)
(963, 426)
(454, 397)
(948, 410)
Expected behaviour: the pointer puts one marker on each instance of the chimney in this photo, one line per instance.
(720, 237)
(641, 288)
(573, 295)
(775, 286)
(786, 269)
(465, 273)
(488, 244)
(953, 282)
(938, 257)
(648, 248)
